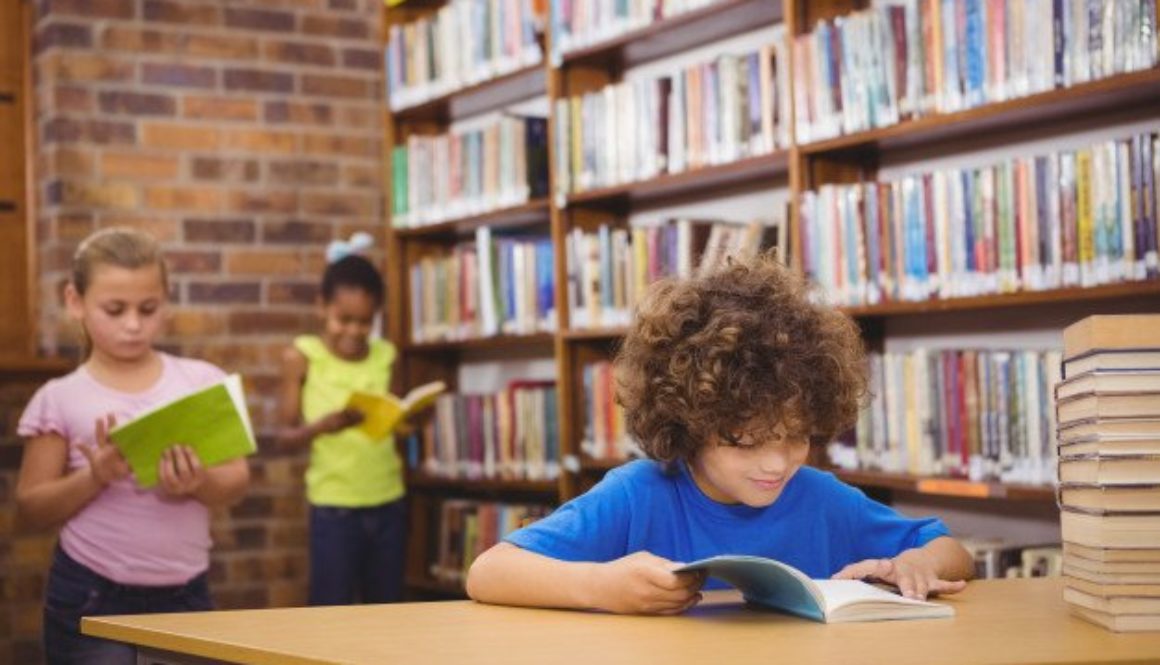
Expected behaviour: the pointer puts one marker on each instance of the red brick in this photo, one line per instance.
(192, 261)
(63, 35)
(363, 177)
(292, 293)
(120, 37)
(137, 165)
(266, 321)
(301, 53)
(301, 172)
(263, 263)
(70, 130)
(336, 144)
(136, 103)
(343, 204)
(241, 599)
(361, 117)
(179, 136)
(253, 506)
(257, 80)
(302, 113)
(73, 227)
(222, 46)
(78, 66)
(231, 169)
(72, 99)
(68, 160)
(297, 233)
(184, 198)
(190, 321)
(344, 5)
(336, 86)
(333, 26)
(219, 108)
(220, 230)
(363, 58)
(261, 140)
(108, 195)
(182, 13)
(260, 19)
(264, 201)
(155, 223)
(184, 76)
(90, 8)
(242, 293)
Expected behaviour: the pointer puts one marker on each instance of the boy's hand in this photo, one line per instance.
(912, 571)
(643, 583)
(180, 472)
(338, 421)
(105, 462)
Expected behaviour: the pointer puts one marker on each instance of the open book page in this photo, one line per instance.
(782, 587)
(854, 600)
(213, 421)
(383, 413)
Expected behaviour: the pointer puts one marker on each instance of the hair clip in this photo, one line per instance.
(357, 244)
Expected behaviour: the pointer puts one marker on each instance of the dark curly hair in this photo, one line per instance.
(353, 271)
(710, 355)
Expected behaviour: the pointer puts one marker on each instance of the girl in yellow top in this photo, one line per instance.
(354, 483)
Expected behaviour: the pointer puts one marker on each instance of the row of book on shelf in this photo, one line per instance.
(939, 56)
(1108, 408)
(578, 24)
(470, 170)
(608, 270)
(468, 528)
(1071, 218)
(486, 287)
(713, 112)
(508, 435)
(464, 43)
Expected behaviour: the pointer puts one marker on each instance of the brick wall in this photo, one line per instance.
(244, 135)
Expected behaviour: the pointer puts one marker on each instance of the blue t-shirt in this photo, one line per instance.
(818, 524)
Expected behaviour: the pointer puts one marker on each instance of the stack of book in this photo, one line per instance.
(1108, 409)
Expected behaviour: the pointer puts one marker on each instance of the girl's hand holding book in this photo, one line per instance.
(180, 472)
(337, 421)
(106, 463)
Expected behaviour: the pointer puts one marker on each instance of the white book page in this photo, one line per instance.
(839, 594)
(233, 384)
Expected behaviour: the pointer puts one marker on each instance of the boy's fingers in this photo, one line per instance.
(948, 586)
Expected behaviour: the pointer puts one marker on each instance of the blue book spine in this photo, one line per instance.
(976, 49)
(969, 223)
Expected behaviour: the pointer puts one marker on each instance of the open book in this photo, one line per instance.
(782, 587)
(383, 413)
(213, 421)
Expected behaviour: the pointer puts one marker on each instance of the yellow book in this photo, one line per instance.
(1084, 210)
(383, 413)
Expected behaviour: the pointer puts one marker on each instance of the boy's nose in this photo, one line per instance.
(773, 460)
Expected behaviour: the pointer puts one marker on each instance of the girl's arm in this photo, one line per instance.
(47, 494)
(639, 583)
(292, 432)
(225, 484)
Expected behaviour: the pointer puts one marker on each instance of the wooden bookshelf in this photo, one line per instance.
(1147, 290)
(481, 486)
(520, 216)
(486, 95)
(498, 342)
(1123, 95)
(800, 168)
(675, 34)
(688, 185)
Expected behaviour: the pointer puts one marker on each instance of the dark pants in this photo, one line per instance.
(356, 554)
(75, 591)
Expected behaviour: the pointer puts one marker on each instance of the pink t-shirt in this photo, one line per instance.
(129, 535)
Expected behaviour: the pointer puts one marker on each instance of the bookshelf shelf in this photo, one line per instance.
(486, 95)
(1123, 93)
(938, 486)
(21, 364)
(688, 185)
(482, 343)
(421, 481)
(675, 34)
(514, 217)
(1148, 289)
(589, 334)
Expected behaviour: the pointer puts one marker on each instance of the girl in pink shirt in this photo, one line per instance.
(122, 549)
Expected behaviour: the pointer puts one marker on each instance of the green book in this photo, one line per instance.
(213, 421)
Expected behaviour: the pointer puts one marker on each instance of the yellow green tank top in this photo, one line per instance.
(348, 469)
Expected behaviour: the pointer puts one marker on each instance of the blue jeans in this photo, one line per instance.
(356, 554)
(75, 591)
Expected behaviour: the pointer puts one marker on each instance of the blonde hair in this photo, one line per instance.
(116, 246)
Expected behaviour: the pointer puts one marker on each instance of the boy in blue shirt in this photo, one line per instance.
(725, 381)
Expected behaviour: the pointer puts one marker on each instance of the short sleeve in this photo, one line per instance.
(43, 414)
(592, 527)
(881, 531)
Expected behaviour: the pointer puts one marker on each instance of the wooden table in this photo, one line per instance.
(997, 621)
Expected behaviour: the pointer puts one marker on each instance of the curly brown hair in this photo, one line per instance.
(710, 355)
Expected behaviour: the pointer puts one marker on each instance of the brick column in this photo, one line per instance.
(244, 135)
